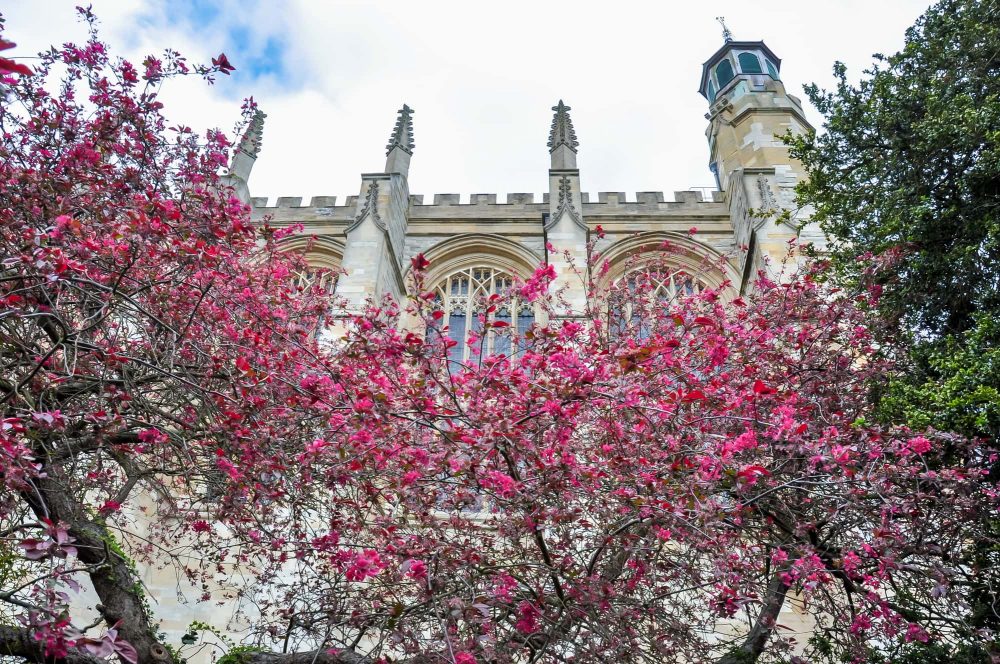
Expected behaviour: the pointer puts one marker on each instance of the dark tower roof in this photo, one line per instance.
(706, 68)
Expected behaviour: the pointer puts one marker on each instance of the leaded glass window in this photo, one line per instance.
(750, 64)
(638, 295)
(724, 73)
(317, 277)
(324, 278)
(464, 297)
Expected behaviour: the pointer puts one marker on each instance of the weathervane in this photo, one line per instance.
(726, 34)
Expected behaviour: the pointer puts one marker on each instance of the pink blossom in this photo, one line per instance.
(527, 618)
(365, 564)
(915, 632)
(919, 445)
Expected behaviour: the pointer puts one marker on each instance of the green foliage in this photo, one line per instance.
(909, 170)
(930, 653)
(191, 636)
(957, 385)
(13, 572)
(234, 654)
(905, 181)
(237, 655)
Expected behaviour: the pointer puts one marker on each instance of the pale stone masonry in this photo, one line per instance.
(371, 237)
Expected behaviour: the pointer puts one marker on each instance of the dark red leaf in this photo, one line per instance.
(222, 62)
(761, 388)
(8, 66)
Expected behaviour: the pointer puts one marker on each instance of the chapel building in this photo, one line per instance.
(476, 249)
(479, 248)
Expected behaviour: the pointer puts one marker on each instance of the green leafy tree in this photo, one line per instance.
(905, 180)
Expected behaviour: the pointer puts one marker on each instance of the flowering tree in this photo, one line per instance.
(655, 484)
(148, 335)
(657, 489)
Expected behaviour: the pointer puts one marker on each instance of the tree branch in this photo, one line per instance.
(753, 645)
(320, 657)
(20, 642)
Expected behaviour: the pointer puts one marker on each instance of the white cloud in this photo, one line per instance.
(481, 76)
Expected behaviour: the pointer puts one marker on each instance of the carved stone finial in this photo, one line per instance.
(402, 133)
(254, 134)
(767, 200)
(562, 132)
(727, 35)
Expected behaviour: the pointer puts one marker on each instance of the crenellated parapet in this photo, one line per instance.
(333, 209)
(748, 221)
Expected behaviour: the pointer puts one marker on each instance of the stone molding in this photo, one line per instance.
(319, 250)
(369, 208)
(694, 257)
(478, 249)
(566, 206)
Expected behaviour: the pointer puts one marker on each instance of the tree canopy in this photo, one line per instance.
(661, 479)
(905, 179)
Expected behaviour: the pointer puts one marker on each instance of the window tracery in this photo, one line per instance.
(644, 290)
(322, 278)
(465, 298)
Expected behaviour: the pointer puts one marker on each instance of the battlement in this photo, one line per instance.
(327, 205)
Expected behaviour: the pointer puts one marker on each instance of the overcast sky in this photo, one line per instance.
(481, 77)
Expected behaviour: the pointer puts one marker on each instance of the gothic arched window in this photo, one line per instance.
(750, 64)
(322, 278)
(724, 73)
(771, 70)
(643, 292)
(464, 297)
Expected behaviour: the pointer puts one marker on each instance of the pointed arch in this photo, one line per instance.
(724, 73)
(318, 250)
(679, 250)
(466, 269)
(479, 249)
(749, 63)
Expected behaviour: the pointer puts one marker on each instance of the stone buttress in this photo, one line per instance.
(373, 254)
(566, 232)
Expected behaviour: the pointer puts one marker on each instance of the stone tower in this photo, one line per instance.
(749, 113)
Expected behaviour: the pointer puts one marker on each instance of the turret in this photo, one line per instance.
(749, 113)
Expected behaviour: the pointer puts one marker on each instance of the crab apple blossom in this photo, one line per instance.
(149, 335)
(655, 479)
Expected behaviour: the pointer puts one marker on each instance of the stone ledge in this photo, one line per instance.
(607, 198)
